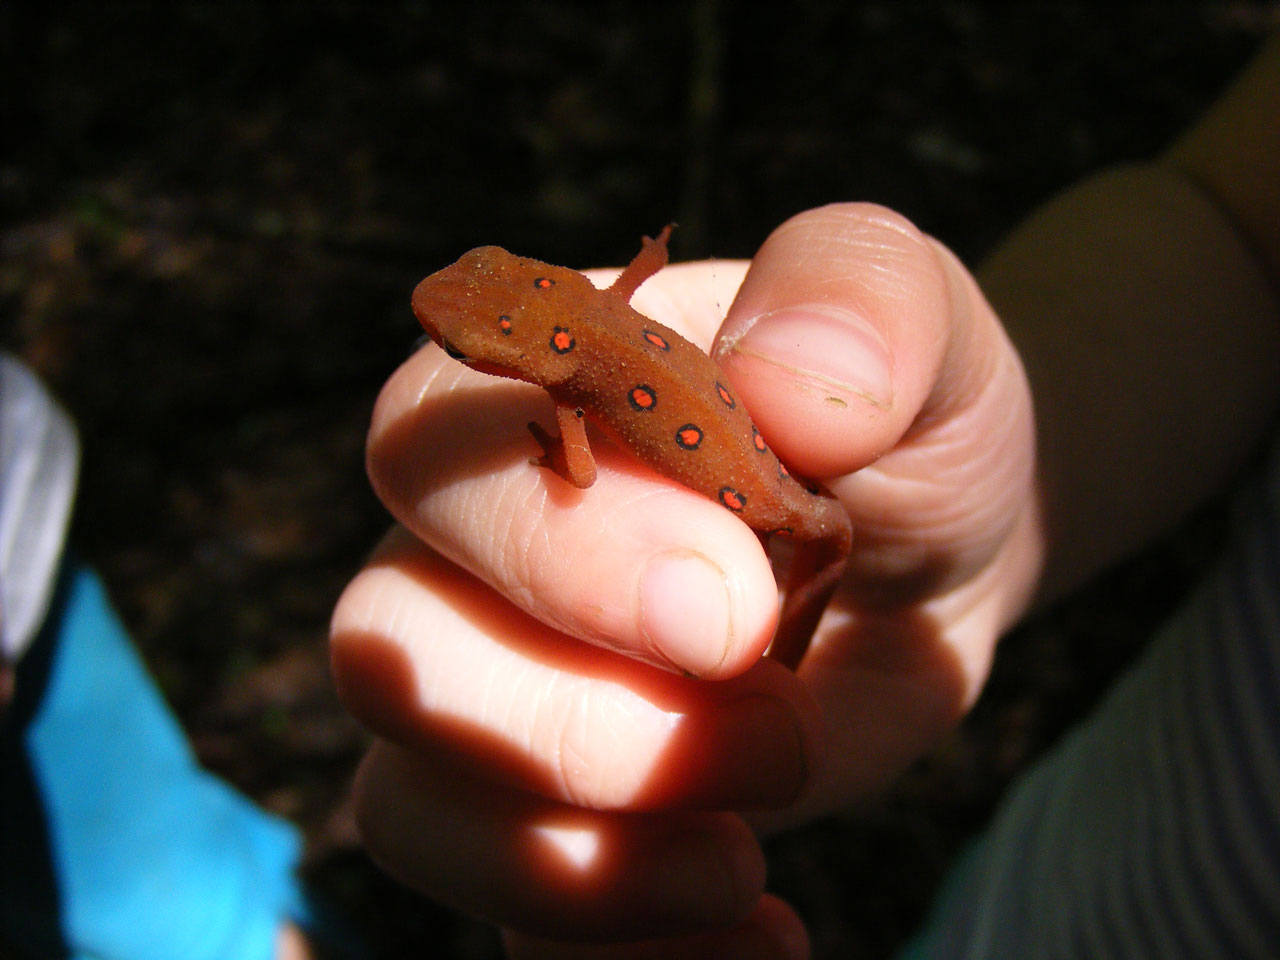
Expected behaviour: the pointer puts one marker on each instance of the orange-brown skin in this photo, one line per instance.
(650, 389)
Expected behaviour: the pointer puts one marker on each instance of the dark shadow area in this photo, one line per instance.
(212, 217)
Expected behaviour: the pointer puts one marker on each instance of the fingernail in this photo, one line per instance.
(690, 878)
(838, 347)
(684, 610)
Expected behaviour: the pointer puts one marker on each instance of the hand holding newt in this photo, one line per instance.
(649, 388)
(870, 363)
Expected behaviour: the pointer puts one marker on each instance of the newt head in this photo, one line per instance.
(507, 315)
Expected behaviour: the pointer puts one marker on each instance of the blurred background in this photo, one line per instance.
(212, 216)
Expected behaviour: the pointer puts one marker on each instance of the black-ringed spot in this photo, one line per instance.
(543, 283)
(757, 441)
(561, 340)
(656, 339)
(504, 324)
(725, 395)
(642, 397)
(732, 499)
(689, 437)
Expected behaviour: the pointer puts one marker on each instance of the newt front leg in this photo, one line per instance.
(570, 453)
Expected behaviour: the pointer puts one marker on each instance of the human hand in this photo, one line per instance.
(576, 790)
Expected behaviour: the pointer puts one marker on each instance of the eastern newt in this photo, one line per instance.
(648, 388)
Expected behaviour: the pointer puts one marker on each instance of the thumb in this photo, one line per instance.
(837, 334)
(870, 360)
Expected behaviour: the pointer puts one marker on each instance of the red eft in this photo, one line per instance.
(648, 388)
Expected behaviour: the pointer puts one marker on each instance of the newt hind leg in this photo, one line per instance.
(651, 258)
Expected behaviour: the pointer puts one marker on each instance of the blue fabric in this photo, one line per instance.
(109, 821)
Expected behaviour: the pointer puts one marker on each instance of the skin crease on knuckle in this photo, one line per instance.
(415, 663)
(521, 860)
(428, 656)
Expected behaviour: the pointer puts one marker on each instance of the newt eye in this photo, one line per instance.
(453, 351)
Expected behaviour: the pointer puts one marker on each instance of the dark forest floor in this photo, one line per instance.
(213, 216)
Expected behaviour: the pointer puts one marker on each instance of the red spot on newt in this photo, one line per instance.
(732, 499)
(642, 397)
(657, 339)
(561, 341)
(613, 367)
(688, 437)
